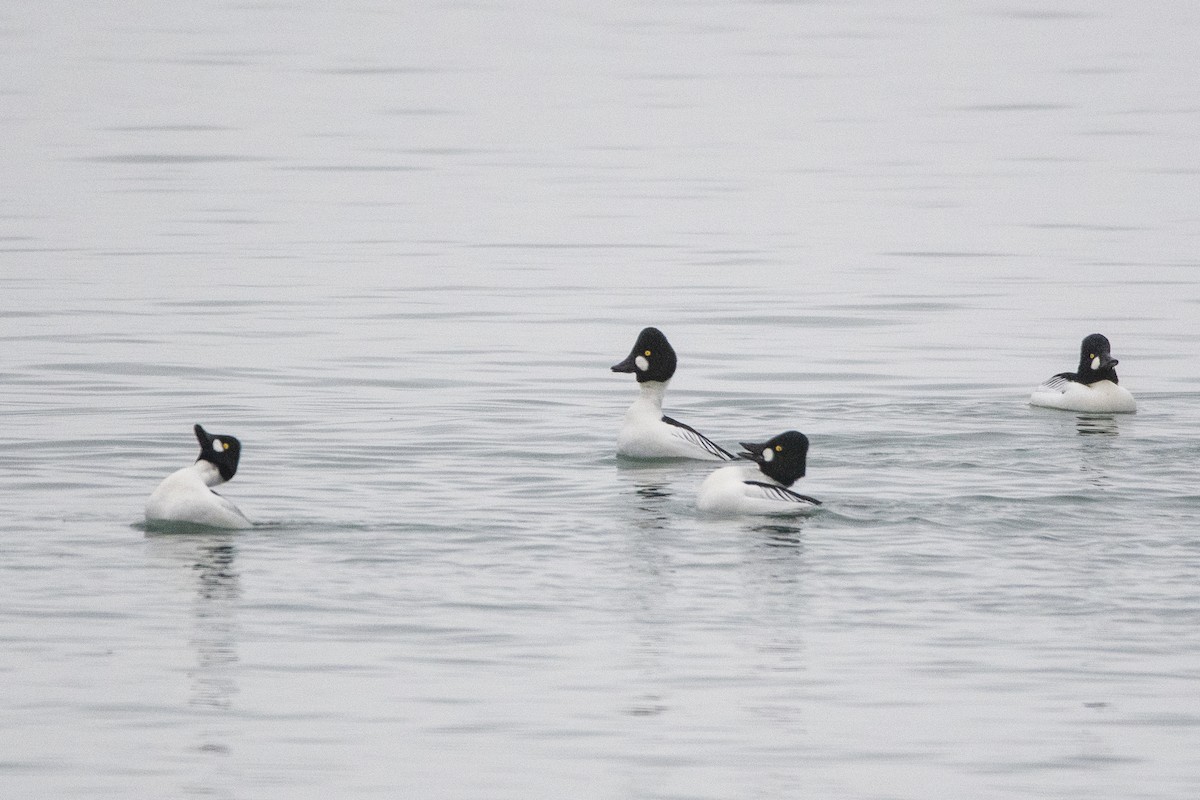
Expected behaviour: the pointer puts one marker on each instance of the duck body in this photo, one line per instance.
(742, 489)
(1093, 388)
(647, 432)
(1101, 397)
(762, 485)
(186, 496)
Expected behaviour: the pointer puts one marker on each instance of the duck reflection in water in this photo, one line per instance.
(781, 535)
(209, 561)
(1100, 451)
(215, 630)
(1097, 425)
(652, 505)
(652, 492)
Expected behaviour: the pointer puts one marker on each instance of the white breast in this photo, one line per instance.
(184, 497)
(1102, 397)
(645, 435)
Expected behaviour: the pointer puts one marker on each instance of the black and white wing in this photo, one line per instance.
(228, 505)
(776, 493)
(689, 434)
(1057, 384)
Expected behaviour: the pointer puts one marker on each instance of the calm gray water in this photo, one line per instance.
(394, 248)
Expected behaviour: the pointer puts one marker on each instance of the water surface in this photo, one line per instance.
(395, 249)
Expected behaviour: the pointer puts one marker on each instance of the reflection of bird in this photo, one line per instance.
(761, 487)
(1093, 388)
(1102, 425)
(184, 495)
(647, 432)
(208, 563)
(215, 632)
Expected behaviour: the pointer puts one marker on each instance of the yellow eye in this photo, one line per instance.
(646, 353)
(778, 448)
(225, 445)
(1093, 355)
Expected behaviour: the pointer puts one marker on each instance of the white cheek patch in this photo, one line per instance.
(1096, 362)
(768, 455)
(642, 363)
(217, 445)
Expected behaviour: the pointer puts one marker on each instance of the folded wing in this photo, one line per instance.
(776, 493)
(689, 434)
(1058, 384)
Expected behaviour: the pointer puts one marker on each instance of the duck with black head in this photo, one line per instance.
(185, 496)
(1094, 388)
(762, 486)
(647, 432)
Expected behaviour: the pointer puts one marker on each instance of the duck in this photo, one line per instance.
(186, 495)
(1094, 388)
(648, 433)
(762, 486)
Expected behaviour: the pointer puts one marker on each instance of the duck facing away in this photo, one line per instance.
(1093, 388)
(761, 487)
(647, 432)
(186, 496)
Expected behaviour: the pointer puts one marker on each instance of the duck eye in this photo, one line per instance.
(778, 448)
(647, 353)
(224, 445)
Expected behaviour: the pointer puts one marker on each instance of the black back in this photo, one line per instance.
(222, 451)
(655, 352)
(782, 458)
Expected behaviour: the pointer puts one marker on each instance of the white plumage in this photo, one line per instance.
(743, 489)
(646, 432)
(185, 496)
(1102, 397)
(1093, 388)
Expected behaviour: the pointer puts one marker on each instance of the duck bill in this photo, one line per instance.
(625, 366)
(1107, 361)
(202, 436)
(752, 451)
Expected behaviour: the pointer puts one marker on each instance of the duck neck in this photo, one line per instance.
(208, 473)
(648, 406)
(652, 394)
